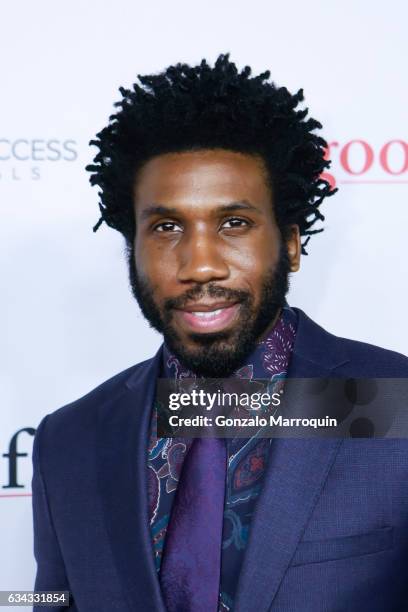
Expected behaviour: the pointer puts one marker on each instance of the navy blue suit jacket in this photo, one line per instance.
(330, 532)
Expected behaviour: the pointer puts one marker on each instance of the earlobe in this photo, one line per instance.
(294, 247)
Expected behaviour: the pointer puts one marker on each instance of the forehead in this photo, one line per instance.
(202, 177)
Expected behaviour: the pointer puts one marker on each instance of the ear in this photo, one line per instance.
(294, 247)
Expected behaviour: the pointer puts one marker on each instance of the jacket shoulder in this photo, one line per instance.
(373, 360)
(83, 410)
(347, 357)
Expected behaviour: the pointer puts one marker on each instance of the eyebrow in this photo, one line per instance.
(159, 209)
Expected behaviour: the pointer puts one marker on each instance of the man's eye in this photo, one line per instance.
(235, 222)
(167, 226)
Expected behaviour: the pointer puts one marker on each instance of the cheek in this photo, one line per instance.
(252, 261)
(153, 265)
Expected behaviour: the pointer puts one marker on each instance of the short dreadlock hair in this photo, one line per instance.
(187, 108)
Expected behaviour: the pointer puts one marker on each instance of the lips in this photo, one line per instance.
(207, 317)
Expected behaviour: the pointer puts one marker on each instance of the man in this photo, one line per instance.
(213, 178)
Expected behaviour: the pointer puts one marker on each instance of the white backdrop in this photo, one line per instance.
(68, 321)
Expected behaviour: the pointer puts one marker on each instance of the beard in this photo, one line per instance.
(217, 354)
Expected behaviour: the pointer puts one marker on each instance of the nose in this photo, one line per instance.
(200, 259)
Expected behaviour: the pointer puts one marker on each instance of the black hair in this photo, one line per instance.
(202, 107)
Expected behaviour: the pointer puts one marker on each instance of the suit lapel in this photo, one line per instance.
(123, 431)
(296, 474)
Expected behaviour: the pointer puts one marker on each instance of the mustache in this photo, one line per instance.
(212, 291)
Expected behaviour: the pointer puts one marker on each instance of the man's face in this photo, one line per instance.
(208, 265)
